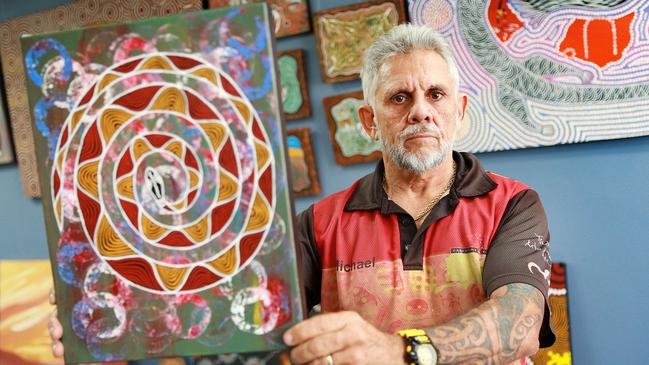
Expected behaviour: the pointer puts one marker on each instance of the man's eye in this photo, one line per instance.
(436, 95)
(399, 98)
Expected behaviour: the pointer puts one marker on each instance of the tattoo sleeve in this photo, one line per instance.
(499, 331)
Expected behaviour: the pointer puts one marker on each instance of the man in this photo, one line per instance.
(430, 244)
(404, 247)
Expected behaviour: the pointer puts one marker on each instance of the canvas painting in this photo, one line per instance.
(350, 142)
(6, 151)
(304, 173)
(24, 309)
(343, 33)
(546, 73)
(168, 212)
(560, 353)
(295, 91)
(58, 86)
(290, 17)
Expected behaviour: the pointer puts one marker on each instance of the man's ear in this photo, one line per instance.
(463, 102)
(366, 115)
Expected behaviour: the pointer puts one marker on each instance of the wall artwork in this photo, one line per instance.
(304, 173)
(350, 142)
(290, 17)
(58, 83)
(168, 212)
(25, 310)
(343, 33)
(6, 150)
(559, 353)
(295, 90)
(546, 73)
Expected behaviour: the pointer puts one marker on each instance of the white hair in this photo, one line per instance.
(403, 39)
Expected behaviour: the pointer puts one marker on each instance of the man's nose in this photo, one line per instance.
(420, 111)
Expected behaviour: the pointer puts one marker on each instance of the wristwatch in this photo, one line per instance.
(419, 348)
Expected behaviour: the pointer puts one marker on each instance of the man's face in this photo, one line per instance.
(417, 109)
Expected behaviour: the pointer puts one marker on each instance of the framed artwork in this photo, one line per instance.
(304, 173)
(58, 87)
(25, 310)
(348, 138)
(560, 352)
(168, 213)
(545, 73)
(290, 17)
(343, 33)
(6, 151)
(295, 90)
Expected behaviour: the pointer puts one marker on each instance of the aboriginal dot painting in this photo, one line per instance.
(541, 73)
(560, 353)
(168, 215)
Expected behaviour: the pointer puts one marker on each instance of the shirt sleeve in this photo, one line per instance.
(519, 253)
(310, 261)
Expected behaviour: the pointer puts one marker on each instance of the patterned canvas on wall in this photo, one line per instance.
(295, 90)
(168, 212)
(58, 86)
(6, 151)
(343, 33)
(24, 309)
(559, 353)
(290, 17)
(544, 73)
(350, 142)
(304, 173)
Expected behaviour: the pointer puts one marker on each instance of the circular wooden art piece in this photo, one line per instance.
(168, 170)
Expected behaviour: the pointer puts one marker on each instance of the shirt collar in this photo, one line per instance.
(470, 180)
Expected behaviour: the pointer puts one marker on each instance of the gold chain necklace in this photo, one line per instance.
(433, 201)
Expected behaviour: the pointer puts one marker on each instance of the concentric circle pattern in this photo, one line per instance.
(167, 168)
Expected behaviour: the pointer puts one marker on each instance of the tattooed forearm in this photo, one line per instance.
(499, 331)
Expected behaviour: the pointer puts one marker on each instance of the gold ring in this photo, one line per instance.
(329, 359)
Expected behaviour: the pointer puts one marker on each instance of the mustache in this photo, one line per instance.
(418, 129)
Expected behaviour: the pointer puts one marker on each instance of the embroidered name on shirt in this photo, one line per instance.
(468, 250)
(340, 266)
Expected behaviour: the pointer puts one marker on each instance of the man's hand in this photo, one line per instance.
(347, 337)
(55, 329)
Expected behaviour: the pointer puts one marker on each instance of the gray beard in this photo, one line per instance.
(418, 162)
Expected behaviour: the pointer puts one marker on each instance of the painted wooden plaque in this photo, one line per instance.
(560, 353)
(290, 17)
(6, 150)
(24, 309)
(542, 73)
(304, 173)
(350, 142)
(168, 212)
(58, 87)
(343, 33)
(295, 90)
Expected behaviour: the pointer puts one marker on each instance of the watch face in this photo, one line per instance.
(426, 354)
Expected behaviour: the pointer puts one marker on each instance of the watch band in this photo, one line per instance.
(419, 348)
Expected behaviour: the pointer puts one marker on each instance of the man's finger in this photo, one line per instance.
(57, 349)
(321, 346)
(329, 322)
(52, 297)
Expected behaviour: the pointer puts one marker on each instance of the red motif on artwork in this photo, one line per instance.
(176, 239)
(138, 99)
(198, 109)
(136, 270)
(200, 277)
(91, 147)
(503, 20)
(600, 41)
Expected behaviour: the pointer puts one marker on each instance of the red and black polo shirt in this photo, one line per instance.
(362, 252)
